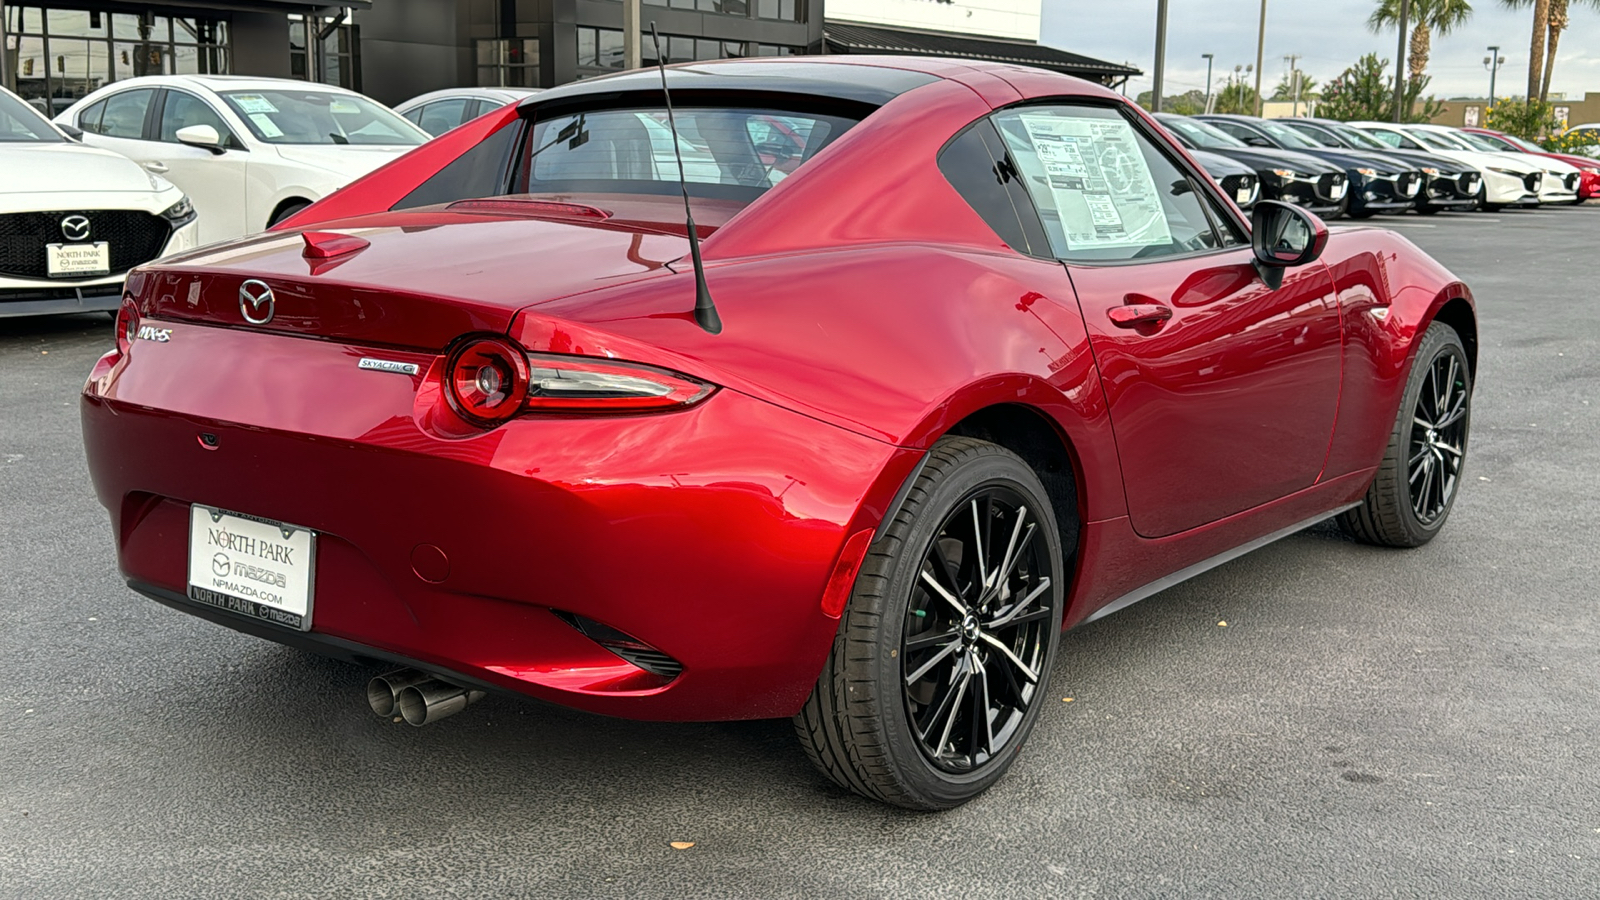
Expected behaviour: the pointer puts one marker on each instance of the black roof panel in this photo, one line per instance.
(873, 85)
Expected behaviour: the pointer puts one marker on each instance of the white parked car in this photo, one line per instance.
(440, 111)
(74, 219)
(1507, 180)
(249, 152)
(1561, 179)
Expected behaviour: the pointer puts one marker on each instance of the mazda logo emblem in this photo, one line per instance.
(256, 302)
(75, 228)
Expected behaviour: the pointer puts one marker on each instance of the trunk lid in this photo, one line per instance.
(426, 277)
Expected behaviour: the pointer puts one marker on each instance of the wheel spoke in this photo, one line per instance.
(1011, 562)
(948, 567)
(1421, 422)
(1453, 451)
(1003, 620)
(1418, 503)
(1005, 561)
(925, 641)
(954, 708)
(934, 660)
(930, 581)
(1031, 675)
(982, 728)
(1418, 458)
(977, 536)
(1009, 624)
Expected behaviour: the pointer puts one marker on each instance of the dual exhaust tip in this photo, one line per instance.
(418, 697)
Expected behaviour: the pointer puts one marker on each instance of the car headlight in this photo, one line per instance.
(1433, 172)
(1369, 173)
(1285, 174)
(180, 213)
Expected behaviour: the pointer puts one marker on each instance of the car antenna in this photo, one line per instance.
(705, 311)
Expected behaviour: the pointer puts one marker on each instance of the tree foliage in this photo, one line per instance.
(1365, 91)
(1285, 89)
(1237, 98)
(1189, 103)
(1550, 19)
(1530, 120)
(1426, 18)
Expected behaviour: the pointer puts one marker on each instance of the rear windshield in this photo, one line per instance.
(728, 152)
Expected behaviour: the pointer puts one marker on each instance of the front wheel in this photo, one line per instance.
(942, 659)
(1417, 482)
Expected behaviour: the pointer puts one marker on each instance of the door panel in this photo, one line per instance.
(215, 183)
(1227, 403)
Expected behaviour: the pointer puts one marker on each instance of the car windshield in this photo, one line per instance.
(1315, 133)
(1436, 141)
(1358, 138)
(1529, 146)
(1202, 135)
(1288, 137)
(732, 153)
(279, 116)
(20, 124)
(1479, 142)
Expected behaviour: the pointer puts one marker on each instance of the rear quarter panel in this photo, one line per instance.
(1390, 292)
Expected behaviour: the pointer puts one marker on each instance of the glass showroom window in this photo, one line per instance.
(56, 56)
(339, 60)
(510, 62)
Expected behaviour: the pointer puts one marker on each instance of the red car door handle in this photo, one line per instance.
(1139, 314)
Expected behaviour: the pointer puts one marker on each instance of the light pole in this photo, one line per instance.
(1294, 80)
(1208, 57)
(1400, 63)
(1261, 43)
(1161, 53)
(1493, 62)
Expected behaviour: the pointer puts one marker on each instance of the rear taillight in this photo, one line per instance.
(580, 384)
(127, 323)
(486, 380)
(490, 379)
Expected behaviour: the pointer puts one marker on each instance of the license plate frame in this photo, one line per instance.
(80, 260)
(250, 566)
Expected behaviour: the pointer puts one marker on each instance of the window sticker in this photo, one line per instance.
(253, 103)
(268, 127)
(343, 108)
(1099, 180)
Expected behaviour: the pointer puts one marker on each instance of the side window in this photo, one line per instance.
(124, 116)
(1388, 137)
(183, 110)
(89, 119)
(993, 188)
(1104, 191)
(437, 118)
(1232, 130)
(483, 171)
(414, 116)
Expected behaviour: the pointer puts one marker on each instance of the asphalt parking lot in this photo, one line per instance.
(1367, 723)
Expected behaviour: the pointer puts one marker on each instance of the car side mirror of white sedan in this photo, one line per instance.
(202, 136)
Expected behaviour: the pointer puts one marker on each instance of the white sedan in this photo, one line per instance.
(1506, 182)
(74, 220)
(440, 111)
(250, 152)
(1561, 179)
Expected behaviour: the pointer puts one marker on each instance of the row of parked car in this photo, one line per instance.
(1363, 169)
(153, 166)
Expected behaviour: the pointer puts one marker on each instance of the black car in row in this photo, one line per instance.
(1292, 177)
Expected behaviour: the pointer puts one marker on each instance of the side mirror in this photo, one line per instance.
(1284, 237)
(1262, 142)
(72, 131)
(203, 136)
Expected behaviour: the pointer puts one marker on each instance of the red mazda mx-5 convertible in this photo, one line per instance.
(981, 354)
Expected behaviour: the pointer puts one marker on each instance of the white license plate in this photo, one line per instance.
(1244, 195)
(77, 260)
(1338, 191)
(253, 567)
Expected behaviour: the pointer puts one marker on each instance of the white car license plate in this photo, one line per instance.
(77, 260)
(254, 567)
(1243, 194)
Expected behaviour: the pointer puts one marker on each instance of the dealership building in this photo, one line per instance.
(55, 51)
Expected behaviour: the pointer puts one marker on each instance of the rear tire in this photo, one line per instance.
(1416, 484)
(939, 668)
(287, 210)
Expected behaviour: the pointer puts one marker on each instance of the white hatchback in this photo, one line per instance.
(250, 152)
(74, 220)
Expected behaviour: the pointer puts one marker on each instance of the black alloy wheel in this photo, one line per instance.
(943, 654)
(1420, 477)
(978, 630)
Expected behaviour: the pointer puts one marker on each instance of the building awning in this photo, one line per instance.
(318, 7)
(847, 37)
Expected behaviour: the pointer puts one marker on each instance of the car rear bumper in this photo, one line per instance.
(710, 534)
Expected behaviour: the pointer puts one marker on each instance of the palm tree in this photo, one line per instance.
(1544, 51)
(1427, 16)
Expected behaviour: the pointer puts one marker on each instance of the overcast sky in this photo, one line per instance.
(1329, 35)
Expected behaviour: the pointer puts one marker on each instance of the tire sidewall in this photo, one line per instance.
(939, 787)
(1439, 339)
